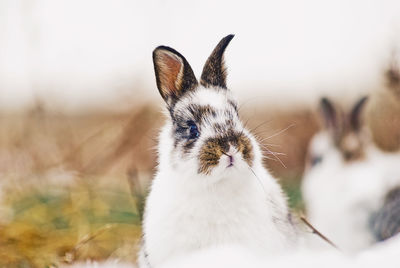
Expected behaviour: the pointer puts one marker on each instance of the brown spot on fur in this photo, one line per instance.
(351, 147)
(213, 148)
(210, 154)
(245, 147)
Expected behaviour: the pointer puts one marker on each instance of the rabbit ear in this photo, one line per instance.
(214, 71)
(355, 116)
(328, 113)
(173, 74)
(392, 75)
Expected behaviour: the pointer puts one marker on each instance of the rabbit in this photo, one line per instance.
(210, 187)
(350, 186)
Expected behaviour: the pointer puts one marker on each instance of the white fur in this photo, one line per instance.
(187, 211)
(340, 197)
(209, 96)
(383, 255)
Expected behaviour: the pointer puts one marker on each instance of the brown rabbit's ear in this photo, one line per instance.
(328, 113)
(392, 76)
(214, 71)
(173, 74)
(355, 116)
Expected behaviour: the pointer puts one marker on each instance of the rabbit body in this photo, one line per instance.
(210, 188)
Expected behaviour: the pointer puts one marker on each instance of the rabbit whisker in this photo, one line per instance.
(279, 132)
(275, 155)
(263, 123)
(260, 141)
(269, 158)
(258, 179)
(269, 151)
(271, 144)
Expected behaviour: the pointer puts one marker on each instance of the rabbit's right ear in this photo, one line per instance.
(355, 115)
(328, 113)
(173, 74)
(214, 71)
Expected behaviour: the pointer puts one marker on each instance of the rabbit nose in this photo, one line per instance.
(231, 160)
(231, 156)
(348, 155)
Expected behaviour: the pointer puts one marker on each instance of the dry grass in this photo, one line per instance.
(72, 185)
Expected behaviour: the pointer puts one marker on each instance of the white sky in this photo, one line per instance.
(84, 54)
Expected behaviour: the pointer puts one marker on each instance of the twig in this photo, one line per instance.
(70, 255)
(315, 231)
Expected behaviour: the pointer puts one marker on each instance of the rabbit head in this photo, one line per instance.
(343, 130)
(203, 135)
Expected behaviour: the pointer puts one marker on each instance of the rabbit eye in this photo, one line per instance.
(193, 130)
(315, 160)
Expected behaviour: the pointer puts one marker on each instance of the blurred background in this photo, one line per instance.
(80, 111)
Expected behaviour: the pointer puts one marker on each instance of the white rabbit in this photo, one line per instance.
(350, 187)
(210, 187)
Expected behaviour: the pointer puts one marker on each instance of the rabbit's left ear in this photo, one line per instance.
(329, 113)
(355, 116)
(173, 74)
(214, 71)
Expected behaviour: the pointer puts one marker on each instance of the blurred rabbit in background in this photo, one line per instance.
(351, 188)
